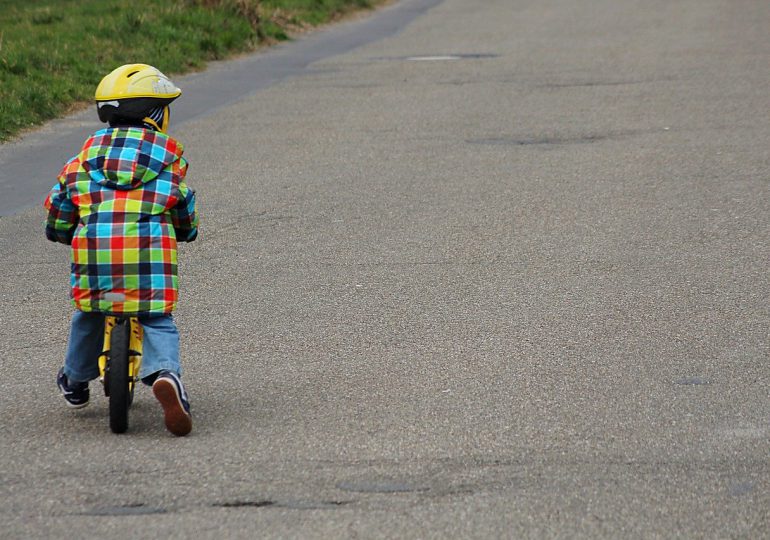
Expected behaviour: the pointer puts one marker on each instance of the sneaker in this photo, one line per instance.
(169, 391)
(75, 393)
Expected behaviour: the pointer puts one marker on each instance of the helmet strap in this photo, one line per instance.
(162, 123)
(166, 119)
(150, 122)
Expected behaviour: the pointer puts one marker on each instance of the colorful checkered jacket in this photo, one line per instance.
(122, 204)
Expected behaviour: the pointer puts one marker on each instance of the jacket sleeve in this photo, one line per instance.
(183, 215)
(63, 216)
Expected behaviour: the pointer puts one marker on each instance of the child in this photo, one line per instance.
(122, 205)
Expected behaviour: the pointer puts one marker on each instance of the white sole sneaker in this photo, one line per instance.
(178, 420)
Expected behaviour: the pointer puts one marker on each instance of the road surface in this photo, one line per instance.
(499, 274)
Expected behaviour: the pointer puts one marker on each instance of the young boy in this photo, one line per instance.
(122, 205)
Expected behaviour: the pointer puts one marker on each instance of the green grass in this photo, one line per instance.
(53, 53)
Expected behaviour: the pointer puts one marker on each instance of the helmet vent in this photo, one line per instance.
(132, 73)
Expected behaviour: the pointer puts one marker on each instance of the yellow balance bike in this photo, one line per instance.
(119, 366)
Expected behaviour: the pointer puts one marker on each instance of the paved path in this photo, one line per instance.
(521, 293)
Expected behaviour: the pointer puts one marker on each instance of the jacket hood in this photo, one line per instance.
(126, 157)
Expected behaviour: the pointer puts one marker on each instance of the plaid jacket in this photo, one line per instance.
(122, 204)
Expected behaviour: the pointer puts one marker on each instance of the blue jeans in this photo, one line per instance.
(160, 346)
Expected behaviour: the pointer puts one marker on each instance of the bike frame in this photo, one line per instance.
(134, 346)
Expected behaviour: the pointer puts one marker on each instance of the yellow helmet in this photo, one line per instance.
(136, 92)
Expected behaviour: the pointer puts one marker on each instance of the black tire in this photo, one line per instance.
(117, 377)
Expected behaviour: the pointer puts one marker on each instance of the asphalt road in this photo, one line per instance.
(520, 292)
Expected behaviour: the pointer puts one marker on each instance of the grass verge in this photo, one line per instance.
(54, 52)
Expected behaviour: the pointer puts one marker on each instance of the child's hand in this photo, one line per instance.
(186, 235)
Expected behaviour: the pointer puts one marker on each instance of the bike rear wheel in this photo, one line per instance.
(117, 379)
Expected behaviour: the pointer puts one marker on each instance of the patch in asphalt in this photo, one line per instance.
(292, 505)
(312, 505)
(693, 381)
(563, 140)
(439, 57)
(380, 487)
(538, 141)
(588, 84)
(244, 504)
(125, 510)
(744, 488)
